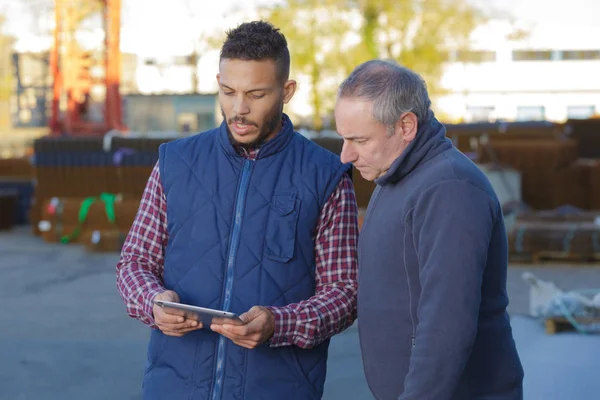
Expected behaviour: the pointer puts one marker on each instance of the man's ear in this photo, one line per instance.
(407, 126)
(289, 88)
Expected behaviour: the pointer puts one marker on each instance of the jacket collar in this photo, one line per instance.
(429, 142)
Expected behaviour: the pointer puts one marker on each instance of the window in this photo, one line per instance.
(580, 112)
(580, 55)
(532, 55)
(206, 121)
(475, 56)
(479, 113)
(187, 122)
(531, 113)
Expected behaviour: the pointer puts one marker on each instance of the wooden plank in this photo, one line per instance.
(542, 257)
(560, 324)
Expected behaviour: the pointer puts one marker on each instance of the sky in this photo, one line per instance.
(159, 28)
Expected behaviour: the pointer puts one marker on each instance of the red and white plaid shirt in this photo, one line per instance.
(305, 324)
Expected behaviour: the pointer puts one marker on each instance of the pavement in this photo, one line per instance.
(65, 335)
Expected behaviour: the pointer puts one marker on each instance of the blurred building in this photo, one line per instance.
(129, 67)
(184, 114)
(32, 89)
(549, 73)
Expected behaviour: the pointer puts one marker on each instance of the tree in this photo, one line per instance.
(5, 63)
(327, 39)
(315, 31)
(418, 34)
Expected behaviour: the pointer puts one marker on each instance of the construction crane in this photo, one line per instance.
(71, 68)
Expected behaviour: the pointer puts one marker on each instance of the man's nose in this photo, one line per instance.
(240, 106)
(348, 155)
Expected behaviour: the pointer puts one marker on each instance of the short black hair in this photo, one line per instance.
(258, 41)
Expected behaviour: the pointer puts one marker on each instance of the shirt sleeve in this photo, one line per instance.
(333, 307)
(140, 267)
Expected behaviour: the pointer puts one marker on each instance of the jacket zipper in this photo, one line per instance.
(231, 257)
(410, 310)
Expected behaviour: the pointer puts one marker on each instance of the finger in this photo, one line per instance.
(178, 332)
(219, 329)
(227, 321)
(173, 311)
(181, 326)
(248, 344)
(239, 330)
(165, 318)
(251, 314)
(172, 333)
(187, 330)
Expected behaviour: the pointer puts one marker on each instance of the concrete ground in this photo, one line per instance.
(64, 333)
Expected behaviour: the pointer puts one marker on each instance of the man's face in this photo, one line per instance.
(367, 144)
(252, 96)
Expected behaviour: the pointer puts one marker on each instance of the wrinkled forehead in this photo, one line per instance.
(355, 116)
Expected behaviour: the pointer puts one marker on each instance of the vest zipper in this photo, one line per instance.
(231, 257)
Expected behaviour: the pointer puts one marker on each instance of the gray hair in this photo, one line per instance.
(393, 89)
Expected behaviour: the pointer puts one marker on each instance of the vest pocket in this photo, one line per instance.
(280, 238)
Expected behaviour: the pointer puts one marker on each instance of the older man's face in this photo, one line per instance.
(367, 144)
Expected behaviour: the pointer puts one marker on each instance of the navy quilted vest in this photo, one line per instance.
(241, 233)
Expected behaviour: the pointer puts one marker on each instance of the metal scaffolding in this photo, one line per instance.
(71, 66)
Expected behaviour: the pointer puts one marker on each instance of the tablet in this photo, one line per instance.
(204, 315)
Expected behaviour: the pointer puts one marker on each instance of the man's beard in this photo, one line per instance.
(269, 125)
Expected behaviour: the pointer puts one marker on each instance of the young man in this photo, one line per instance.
(251, 218)
(432, 251)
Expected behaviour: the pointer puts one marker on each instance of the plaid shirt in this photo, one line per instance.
(305, 324)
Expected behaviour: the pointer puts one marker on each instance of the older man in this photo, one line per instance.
(432, 251)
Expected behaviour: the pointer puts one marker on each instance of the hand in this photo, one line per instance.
(257, 327)
(170, 321)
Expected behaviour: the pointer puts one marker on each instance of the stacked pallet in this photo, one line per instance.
(467, 137)
(565, 234)
(16, 168)
(587, 134)
(90, 221)
(550, 173)
(77, 174)
(16, 191)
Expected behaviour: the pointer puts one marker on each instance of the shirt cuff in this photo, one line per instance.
(285, 326)
(148, 297)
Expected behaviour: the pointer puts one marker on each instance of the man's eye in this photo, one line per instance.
(228, 93)
(257, 96)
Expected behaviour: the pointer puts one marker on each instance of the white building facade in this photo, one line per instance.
(552, 74)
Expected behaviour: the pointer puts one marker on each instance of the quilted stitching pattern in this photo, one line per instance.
(201, 182)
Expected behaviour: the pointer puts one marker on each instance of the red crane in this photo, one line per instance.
(70, 67)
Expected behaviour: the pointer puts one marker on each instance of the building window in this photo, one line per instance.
(580, 55)
(474, 56)
(479, 114)
(187, 122)
(580, 112)
(532, 55)
(531, 113)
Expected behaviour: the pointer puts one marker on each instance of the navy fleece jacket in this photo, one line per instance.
(432, 286)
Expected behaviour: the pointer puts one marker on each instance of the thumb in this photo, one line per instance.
(252, 314)
(169, 295)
